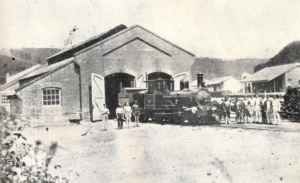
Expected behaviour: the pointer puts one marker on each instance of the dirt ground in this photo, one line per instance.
(167, 153)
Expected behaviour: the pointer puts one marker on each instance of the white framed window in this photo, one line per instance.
(4, 99)
(51, 97)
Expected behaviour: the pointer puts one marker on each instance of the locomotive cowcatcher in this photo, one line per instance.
(160, 103)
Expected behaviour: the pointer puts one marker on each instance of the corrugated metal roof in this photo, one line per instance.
(215, 81)
(15, 78)
(47, 68)
(269, 73)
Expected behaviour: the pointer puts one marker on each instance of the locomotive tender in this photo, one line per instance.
(162, 104)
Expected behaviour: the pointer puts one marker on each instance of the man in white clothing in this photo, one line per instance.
(128, 111)
(105, 113)
(276, 109)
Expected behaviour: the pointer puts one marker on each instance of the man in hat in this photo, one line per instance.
(120, 116)
(105, 113)
(136, 112)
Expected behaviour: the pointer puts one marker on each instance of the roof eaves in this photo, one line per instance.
(126, 30)
(43, 76)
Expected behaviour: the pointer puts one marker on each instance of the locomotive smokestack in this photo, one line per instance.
(199, 80)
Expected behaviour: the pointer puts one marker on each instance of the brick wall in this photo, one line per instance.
(67, 79)
(134, 52)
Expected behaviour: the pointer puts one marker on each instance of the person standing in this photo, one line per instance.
(263, 110)
(226, 107)
(120, 115)
(252, 109)
(136, 112)
(105, 113)
(276, 109)
(128, 111)
(269, 110)
(258, 109)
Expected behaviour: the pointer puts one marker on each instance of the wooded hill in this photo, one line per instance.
(18, 60)
(289, 54)
(215, 67)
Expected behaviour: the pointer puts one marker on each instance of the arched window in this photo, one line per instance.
(51, 96)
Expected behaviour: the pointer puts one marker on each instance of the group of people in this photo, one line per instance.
(257, 109)
(123, 114)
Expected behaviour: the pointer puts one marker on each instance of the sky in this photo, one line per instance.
(227, 29)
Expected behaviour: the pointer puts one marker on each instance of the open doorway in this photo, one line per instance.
(113, 85)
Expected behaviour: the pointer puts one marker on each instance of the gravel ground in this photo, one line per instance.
(167, 153)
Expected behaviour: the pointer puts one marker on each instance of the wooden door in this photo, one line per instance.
(98, 96)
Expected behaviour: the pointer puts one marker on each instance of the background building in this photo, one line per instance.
(273, 79)
(222, 86)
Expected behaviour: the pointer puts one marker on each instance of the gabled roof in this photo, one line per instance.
(216, 81)
(101, 38)
(68, 52)
(45, 71)
(47, 68)
(15, 78)
(269, 73)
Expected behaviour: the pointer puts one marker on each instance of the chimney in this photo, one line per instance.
(199, 80)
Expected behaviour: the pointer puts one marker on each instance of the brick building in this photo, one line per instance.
(83, 77)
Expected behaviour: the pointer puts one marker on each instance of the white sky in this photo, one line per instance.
(226, 29)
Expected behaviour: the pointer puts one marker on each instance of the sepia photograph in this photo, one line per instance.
(152, 91)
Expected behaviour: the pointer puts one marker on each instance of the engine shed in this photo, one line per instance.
(76, 82)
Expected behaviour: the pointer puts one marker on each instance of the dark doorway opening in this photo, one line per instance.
(156, 75)
(113, 85)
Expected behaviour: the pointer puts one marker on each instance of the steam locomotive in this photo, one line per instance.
(162, 104)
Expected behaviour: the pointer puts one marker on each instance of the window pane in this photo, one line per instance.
(53, 97)
(57, 91)
(49, 102)
(44, 97)
(49, 97)
(53, 92)
(57, 97)
(44, 103)
(44, 92)
(48, 92)
(53, 102)
(57, 102)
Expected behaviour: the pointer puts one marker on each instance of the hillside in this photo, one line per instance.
(215, 67)
(289, 54)
(17, 60)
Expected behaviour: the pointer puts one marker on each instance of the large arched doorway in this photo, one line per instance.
(156, 75)
(113, 85)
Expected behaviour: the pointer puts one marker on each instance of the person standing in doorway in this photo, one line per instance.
(120, 116)
(128, 111)
(105, 113)
(136, 112)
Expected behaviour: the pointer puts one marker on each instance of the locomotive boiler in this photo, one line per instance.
(186, 106)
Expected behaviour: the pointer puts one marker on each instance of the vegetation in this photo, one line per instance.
(22, 161)
(289, 54)
(215, 67)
